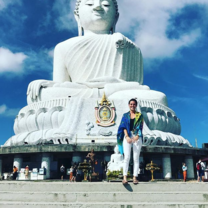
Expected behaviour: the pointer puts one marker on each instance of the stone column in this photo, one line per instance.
(166, 161)
(190, 166)
(1, 171)
(77, 157)
(46, 163)
(18, 161)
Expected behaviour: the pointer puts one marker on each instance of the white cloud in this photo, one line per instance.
(201, 77)
(51, 53)
(65, 10)
(159, 46)
(2, 109)
(8, 112)
(149, 21)
(5, 3)
(40, 61)
(11, 62)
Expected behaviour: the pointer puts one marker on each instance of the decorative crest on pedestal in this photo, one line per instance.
(105, 112)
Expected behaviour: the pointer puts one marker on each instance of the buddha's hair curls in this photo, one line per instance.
(76, 11)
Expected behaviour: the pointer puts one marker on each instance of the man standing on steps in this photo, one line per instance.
(200, 170)
(62, 171)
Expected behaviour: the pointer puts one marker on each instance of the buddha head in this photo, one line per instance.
(99, 16)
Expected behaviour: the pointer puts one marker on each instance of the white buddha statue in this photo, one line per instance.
(97, 61)
(116, 161)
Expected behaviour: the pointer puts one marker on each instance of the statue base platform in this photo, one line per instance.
(74, 121)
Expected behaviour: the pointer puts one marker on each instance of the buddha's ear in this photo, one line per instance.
(114, 25)
(76, 16)
(116, 19)
(80, 30)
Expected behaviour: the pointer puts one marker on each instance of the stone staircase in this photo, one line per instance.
(102, 195)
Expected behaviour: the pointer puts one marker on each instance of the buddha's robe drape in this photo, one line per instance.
(90, 57)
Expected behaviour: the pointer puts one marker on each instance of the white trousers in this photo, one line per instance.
(127, 153)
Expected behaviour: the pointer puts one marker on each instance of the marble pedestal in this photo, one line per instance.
(73, 121)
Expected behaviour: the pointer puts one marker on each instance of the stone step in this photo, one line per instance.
(25, 186)
(8, 204)
(104, 197)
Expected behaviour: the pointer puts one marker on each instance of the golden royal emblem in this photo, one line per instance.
(105, 112)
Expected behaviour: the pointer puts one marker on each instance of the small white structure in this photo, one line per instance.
(21, 175)
(116, 161)
(33, 175)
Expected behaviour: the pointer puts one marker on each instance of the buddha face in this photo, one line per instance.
(97, 15)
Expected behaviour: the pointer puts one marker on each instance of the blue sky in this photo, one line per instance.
(173, 37)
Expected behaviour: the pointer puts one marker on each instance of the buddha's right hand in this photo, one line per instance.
(122, 41)
(33, 90)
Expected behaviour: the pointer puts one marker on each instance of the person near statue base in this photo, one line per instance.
(74, 174)
(27, 172)
(200, 170)
(184, 169)
(62, 171)
(130, 134)
(15, 169)
(71, 173)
